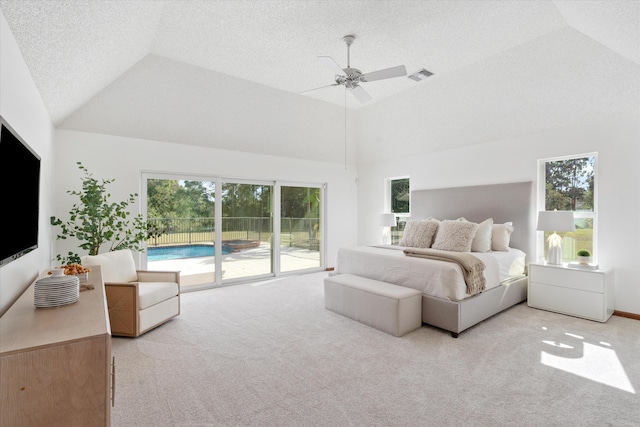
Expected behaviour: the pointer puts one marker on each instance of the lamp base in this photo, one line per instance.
(555, 256)
(386, 236)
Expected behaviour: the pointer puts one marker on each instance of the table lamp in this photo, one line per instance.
(387, 220)
(555, 221)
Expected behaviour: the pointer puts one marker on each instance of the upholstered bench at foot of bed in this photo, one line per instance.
(390, 308)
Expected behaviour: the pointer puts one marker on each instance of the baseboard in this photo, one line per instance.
(627, 315)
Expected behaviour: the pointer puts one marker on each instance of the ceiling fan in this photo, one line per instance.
(351, 78)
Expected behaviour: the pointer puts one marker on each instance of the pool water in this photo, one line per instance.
(184, 251)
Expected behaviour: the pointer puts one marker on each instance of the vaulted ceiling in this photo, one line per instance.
(87, 54)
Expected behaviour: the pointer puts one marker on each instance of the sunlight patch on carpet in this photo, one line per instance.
(593, 362)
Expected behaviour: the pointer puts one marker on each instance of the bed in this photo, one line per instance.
(447, 301)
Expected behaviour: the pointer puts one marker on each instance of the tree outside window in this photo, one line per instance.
(400, 196)
(570, 185)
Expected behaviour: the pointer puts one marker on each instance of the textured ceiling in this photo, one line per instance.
(76, 48)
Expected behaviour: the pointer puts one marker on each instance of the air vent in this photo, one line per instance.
(420, 75)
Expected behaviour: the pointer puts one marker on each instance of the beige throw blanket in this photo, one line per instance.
(472, 267)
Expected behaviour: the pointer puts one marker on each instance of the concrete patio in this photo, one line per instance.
(244, 263)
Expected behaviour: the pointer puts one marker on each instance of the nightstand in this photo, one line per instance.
(581, 293)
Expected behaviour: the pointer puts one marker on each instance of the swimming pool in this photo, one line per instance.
(183, 251)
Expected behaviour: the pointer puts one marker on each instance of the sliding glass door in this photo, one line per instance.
(180, 214)
(217, 231)
(300, 228)
(247, 230)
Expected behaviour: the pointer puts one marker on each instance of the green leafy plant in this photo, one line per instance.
(95, 220)
(583, 252)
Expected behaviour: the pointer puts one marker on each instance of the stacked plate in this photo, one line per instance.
(56, 291)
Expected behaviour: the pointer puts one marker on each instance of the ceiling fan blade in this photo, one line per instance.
(360, 94)
(321, 87)
(387, 73)
(332, 65)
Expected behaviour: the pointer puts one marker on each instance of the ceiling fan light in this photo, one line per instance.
(420, 75)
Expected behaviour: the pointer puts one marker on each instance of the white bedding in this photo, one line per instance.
(436, 278)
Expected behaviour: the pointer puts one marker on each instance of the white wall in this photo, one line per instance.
(514, 159)
(22, 107)
(124, 159)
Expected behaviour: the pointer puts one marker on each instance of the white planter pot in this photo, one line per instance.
(584, 259)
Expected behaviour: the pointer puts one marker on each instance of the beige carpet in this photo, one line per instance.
(269, 354)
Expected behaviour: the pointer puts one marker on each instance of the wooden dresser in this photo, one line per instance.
(55, 363)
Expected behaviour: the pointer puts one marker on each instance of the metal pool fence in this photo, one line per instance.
(174, 231)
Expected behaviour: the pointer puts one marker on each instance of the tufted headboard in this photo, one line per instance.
(513, 202)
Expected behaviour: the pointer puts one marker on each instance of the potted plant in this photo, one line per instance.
(584, 257)
(95, 221)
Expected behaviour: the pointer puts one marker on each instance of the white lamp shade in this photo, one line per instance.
(387, 220)
(556, 221)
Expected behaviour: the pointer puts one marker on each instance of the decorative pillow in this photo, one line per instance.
(419, 234)
(501, 236)
(482, 239)
(455, 236)
(408, 232)
(116, 266)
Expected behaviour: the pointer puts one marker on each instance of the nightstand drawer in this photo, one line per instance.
(568, 278)
(588, 305)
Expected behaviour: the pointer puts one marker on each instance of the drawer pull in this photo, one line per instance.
(113, 381)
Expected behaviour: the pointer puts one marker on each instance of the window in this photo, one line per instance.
(570, 184)
(398, 202)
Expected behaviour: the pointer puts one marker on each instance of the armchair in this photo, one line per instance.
(137, 300)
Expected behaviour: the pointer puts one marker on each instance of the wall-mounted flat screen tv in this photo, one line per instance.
(20, 181)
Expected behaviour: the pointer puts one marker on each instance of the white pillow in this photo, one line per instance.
(455, 236)
(419, 234)
(116, 266)
(482, 239)
(501, 236)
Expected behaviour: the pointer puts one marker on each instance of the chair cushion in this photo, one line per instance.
(151, 293)
(117, 266)
(159, 313)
